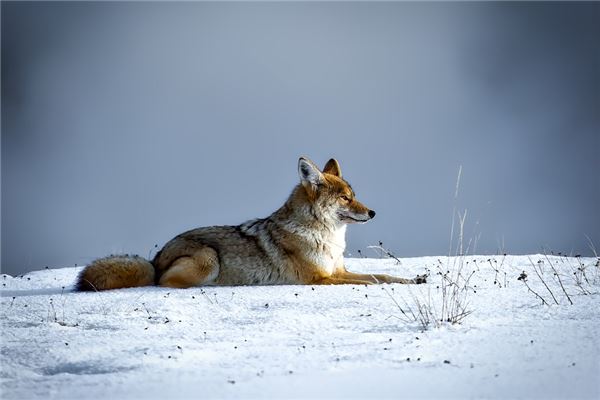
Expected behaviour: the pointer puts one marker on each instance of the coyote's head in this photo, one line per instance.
(331, 197)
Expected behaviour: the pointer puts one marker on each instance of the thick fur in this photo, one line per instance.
(114, 272)
(301, 243)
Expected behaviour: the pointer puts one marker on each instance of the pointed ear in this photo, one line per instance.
(333, 167)
(309, 173)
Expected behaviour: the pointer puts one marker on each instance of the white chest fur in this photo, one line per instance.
(329, 253)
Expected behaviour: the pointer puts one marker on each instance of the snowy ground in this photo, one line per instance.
(310, 341)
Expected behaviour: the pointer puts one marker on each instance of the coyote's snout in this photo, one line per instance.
(301, 243)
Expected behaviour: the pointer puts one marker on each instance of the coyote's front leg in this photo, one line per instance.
(379, 278)
(335, 280)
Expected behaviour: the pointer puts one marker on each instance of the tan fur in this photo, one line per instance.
(301, 243)
(116, 272)
(201, 266)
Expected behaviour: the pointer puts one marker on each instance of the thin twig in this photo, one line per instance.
(542, 279)
(559, 280)
(523, 278)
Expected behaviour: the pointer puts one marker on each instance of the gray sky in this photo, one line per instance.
(124, 124)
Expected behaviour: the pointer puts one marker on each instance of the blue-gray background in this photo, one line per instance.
(124, 124)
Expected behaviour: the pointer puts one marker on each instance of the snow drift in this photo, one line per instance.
(518, 338)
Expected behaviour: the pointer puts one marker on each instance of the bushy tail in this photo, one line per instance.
(115, 272)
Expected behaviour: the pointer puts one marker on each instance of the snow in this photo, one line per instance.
(309, 341)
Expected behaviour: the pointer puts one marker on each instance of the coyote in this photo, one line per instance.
(301, 243)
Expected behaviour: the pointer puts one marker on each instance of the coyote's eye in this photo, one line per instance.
(345, 198)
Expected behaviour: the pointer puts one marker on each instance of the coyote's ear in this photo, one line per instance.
(309, 173)
(333, 167)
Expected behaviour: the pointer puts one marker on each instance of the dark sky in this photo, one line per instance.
(124, 124)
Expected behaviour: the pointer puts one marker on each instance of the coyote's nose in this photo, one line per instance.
(371, 213)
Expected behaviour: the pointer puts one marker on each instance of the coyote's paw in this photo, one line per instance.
(420, 279)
